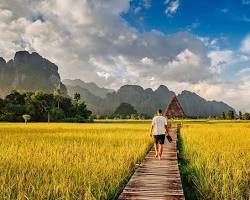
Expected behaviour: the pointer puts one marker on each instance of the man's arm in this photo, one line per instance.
(152, 127)
(166, 125)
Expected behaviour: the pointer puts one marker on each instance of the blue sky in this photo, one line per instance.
(226, 21)
(213, 18)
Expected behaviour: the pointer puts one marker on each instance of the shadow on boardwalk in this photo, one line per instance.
(157, 179)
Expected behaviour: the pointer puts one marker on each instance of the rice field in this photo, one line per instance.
(215, 161)
(69, 161)
(94, 161)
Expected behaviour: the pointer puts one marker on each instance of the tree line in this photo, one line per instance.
(42, 107)
(232, 115)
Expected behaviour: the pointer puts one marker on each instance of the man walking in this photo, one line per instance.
(159, 125)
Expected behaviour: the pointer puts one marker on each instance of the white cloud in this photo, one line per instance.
(220, 59)
(90, 36)
(243, 73)
(214, 43)
(192, 26)
(172, 7)
(205, 40)
(5, 14)
(137, 10)
(245, 45)
(104, 74)
(147, 61)
(185, 62)
(244, 58)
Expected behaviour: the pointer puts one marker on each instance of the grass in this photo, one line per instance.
(215, 160)
(69, 161)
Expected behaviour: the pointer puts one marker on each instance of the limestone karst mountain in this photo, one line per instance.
(196, 106)
(147, 101)
(29, 72)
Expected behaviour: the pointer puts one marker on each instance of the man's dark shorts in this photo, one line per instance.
(159, 139)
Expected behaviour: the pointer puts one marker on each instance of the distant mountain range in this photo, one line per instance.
(33, 72)
(91, 87)
(29, 72)
(146, 101)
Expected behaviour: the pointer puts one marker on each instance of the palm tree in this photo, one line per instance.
(57, 95)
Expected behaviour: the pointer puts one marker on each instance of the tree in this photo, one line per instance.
(133, 116)
(246, 116)
(1, 105)
(223, 115)
(125, 109)
(44, 103)
(240, 115)
(82, 111)
(230, 115)
(26, 118)
(77, 97)
(15, 98)
(57, 96)
(57, 114)
(41, 107)
(13, 107)
(68, 107)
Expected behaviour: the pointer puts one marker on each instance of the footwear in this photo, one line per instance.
(159, 157)
(156, 155)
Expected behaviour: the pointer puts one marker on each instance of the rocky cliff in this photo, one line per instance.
(29, 72)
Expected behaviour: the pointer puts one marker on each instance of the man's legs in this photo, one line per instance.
(160, 150)
(156, 149)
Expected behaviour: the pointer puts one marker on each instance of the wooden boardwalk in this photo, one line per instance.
(157, 179)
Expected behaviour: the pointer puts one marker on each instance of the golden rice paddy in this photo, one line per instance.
(68, 161)
(94, 161)
(217, 156)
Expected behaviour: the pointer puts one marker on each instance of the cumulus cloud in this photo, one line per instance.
(244, 58)
(147, 61)
(90, 40)
(172, 7)
(220, 59)
(245, 45)
(185, 62)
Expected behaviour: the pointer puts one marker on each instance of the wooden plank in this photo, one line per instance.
(156, 179)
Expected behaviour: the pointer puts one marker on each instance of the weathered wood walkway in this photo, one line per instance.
(157, 179)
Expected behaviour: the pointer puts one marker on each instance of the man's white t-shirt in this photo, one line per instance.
(159, 123)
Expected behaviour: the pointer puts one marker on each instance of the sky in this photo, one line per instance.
(200, 46)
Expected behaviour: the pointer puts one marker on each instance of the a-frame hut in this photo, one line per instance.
(174, 109)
